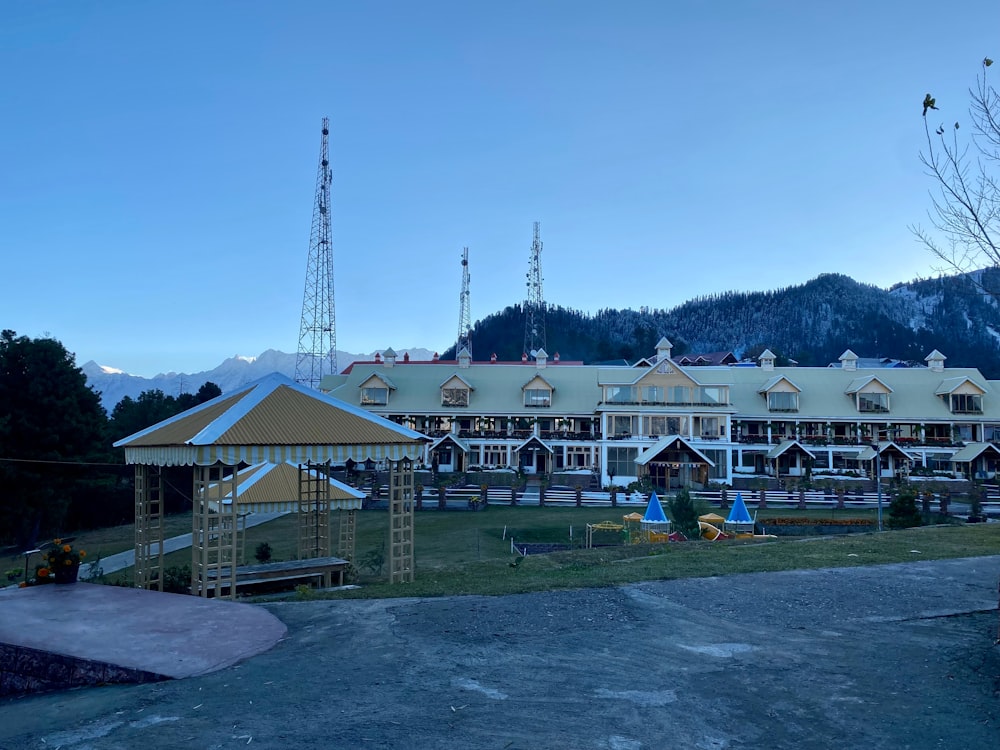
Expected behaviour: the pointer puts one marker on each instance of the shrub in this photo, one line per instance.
(903, 511)
(177, 579)
(683, 513)
(263, 552)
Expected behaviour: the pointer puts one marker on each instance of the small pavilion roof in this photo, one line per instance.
(739, 513)
(654, 511)
(268, 488)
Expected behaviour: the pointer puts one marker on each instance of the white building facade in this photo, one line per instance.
(686, 425)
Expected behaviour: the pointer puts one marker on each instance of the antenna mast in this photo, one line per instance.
(317, 353)
(464, 314)
(534, 304)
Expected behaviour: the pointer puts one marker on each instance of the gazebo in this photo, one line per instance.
(271, 421)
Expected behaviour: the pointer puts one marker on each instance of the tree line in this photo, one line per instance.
(812, 323)
(58, 470)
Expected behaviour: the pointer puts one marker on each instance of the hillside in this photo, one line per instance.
(812, 323)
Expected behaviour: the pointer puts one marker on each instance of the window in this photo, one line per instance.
(660, 426)
(782, 401)
(454, 397)
(621, 394)
(709, 427)
(621, 461)
(578, 456)
(966, 403)
(652, 394)
(374, 396)
(873, 402)
(622, 424)
(495, 455)
(537, 397)
(678, 394)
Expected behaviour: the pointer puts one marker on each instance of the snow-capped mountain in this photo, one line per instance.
(115, 384)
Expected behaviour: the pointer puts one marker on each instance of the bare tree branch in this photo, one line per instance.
(965, 198)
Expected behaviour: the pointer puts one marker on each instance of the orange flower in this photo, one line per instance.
(68, 562)
(83, 553)
(57, 541)
(43, 572)
(22, 585)
(67, 548)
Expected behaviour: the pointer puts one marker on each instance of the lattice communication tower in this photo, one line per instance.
(317, 353)
(534, 303)
(464, 313)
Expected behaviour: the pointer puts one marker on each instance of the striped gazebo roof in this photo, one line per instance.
(271, 420)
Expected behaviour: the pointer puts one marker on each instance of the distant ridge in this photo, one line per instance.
(115, 384)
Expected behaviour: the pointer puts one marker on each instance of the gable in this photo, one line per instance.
(538, 383)
(457, 382)
(779, 384)
(377, 380)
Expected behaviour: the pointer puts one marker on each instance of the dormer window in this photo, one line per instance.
(781, 394)
(454, 397)
(870, 394)
(966, 403)
(455, 391)
(375, 390)
(374, 396)
(537, 397)
(537, 392)
(782, 401)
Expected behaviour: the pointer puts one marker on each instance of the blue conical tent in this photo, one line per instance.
(739, 513)
(654, 511)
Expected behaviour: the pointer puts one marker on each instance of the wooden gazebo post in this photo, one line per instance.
(401, 521)
(149, 532)
(214, 530)
(314, 510)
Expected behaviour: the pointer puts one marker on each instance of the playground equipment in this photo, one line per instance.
(655, 526)
(711, 532)
(602, 527)
(739, 521)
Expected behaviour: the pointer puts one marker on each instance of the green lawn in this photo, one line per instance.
(469, 553)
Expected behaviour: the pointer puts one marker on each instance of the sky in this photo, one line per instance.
(158, 159)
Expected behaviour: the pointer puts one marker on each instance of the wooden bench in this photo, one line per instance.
(321, 571)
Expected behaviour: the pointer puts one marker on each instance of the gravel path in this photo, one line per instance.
(894, 656)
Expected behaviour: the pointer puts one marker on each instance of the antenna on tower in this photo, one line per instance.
(317, 353)
(464, 314)
(534, 303)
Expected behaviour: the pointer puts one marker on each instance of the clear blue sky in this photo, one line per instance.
(158, 159)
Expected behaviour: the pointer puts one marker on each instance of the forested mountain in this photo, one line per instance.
(812, 323)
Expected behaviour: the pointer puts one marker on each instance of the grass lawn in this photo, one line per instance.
(470, 553)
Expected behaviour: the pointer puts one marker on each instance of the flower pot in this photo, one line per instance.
(66, 573)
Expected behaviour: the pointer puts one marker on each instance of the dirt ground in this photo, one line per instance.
(896, 656)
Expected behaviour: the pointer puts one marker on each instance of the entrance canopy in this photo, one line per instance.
(885, 448)
(673, 448)
(460, 443)
(972, 451)
(534, 440)
(790, 447)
